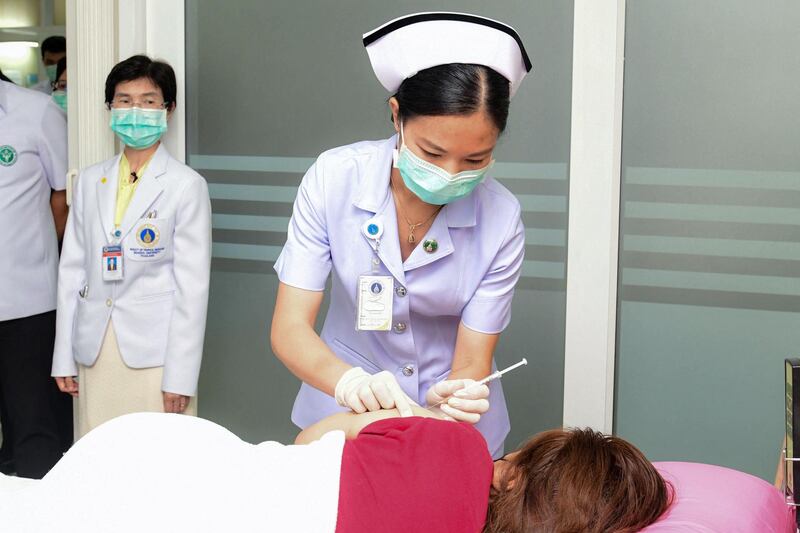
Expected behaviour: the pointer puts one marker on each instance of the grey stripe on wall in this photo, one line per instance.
(711, 230)
(747, 266)
(252, 196)
(710, 237)
(707, 298)
(744, 196)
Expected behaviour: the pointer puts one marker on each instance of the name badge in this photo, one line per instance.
(112, 263)
(375, 297)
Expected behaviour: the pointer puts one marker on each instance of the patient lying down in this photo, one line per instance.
(355, 473)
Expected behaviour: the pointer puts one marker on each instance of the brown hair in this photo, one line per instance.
(577, 481)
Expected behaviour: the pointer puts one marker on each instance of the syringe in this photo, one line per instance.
(491, 377)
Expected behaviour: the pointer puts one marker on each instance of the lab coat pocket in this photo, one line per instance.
(79, 318)
(349, 355)
(86, 328)
(150, 240)
(150, 317)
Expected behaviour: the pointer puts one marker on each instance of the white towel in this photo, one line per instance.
(150, 472)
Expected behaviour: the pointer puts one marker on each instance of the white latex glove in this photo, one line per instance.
(461, 405)
(363, 392)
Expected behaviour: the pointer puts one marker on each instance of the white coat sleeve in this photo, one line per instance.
(192, 272)
(71, 279)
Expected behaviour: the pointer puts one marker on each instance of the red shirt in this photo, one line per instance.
(414, 474)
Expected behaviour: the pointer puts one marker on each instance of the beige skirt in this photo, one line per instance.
(110, 388)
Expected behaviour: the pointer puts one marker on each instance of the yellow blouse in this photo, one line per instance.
(125, 188)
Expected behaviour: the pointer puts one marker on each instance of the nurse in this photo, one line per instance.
(422, 248)
(134, 271)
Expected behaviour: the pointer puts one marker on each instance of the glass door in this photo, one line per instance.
(709, 294)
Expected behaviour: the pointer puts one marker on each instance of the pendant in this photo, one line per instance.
(411, 238)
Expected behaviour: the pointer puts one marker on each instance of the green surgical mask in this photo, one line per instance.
(433, 184)
(138, 128)
(60, 97)
(51, 72)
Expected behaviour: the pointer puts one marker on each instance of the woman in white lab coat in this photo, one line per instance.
(134, 271)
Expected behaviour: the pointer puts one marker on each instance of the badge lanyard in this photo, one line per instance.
(375, 292)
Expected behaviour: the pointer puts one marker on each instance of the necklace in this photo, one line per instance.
(411, 226)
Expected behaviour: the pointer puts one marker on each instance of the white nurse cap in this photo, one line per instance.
(404, 46)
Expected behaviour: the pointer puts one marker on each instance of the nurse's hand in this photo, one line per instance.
(460, 405)
(364, 392)
(68, 384)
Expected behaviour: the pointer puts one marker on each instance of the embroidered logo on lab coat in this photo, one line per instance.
(147, 235)
(149, 247)
(8, 156)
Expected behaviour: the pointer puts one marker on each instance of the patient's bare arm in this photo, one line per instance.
(352, 423)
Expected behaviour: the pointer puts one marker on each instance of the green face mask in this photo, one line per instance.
(60, 97)
(139, 128)
(433, 184)
(51, 72)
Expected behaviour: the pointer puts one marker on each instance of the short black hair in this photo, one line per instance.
(140, 66)
(61, 66)
(455, 89)
(4, 77)
(54, 44)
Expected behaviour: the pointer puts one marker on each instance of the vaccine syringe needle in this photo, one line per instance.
(491, 377)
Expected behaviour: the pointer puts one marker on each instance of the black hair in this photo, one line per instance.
(136, 67)
(55, 44)
(4, 77)
(61, 66)
(455, 89)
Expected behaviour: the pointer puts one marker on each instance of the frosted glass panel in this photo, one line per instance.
(710, 251)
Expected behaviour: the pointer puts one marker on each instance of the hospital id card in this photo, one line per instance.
(375, 297)
(112, 263)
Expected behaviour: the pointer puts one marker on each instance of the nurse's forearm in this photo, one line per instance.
(297, 345)
(473, 353)
(308, 357)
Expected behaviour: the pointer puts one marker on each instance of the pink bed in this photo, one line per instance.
(713, 499)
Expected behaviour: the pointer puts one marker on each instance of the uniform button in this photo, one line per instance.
(408, 370)
(401, 291)
(109, 302)
(400, 327)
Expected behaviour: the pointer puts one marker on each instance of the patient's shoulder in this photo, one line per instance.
(415, 460)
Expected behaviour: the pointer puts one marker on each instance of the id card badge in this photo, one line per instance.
(375, 297)
(112, 263)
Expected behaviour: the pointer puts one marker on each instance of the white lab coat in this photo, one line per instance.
(33, 163)
(159, 309)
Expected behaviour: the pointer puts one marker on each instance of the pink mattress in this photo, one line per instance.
(713, 499)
